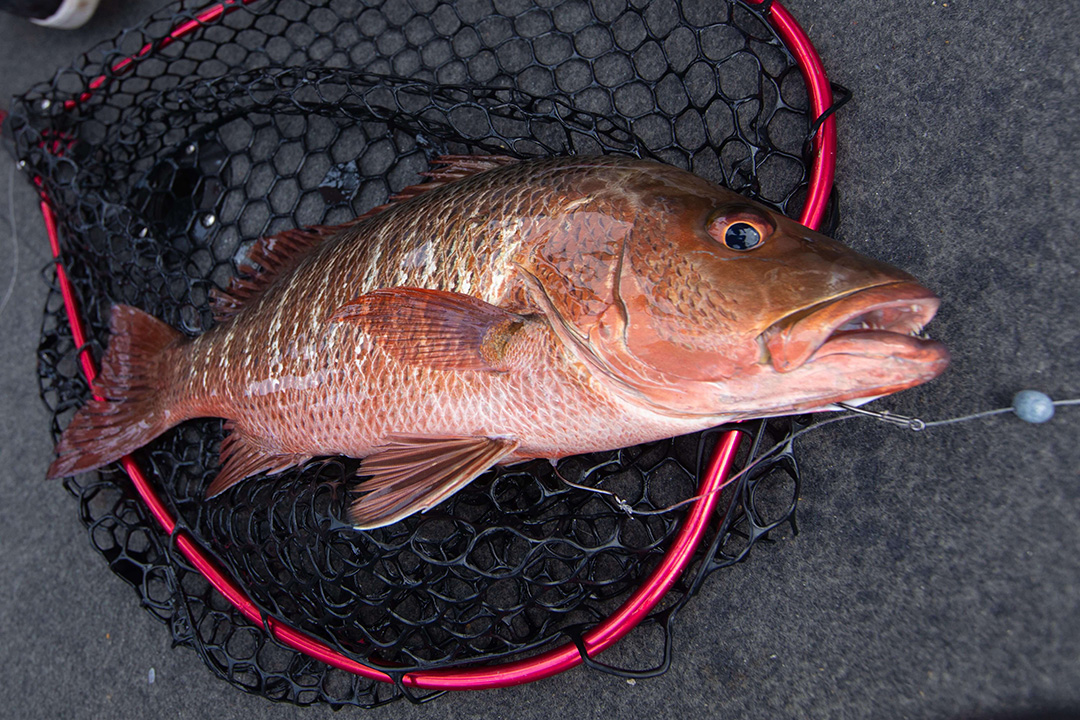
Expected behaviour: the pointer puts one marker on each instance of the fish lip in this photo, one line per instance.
(881, 320)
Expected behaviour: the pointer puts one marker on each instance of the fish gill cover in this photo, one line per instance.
(165, 154)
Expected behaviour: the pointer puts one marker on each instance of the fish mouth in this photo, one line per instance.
(882, 321)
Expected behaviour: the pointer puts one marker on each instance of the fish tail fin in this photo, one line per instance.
(128, 410)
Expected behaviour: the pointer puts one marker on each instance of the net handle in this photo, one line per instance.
(641, 603)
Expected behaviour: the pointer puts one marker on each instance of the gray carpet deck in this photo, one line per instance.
(937, 575)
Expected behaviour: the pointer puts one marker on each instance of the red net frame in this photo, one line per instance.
(642, 602)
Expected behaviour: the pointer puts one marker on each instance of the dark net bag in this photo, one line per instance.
(165, 153)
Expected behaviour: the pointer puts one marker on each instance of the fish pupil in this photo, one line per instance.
(742, 236)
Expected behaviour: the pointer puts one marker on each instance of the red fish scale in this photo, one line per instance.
(294, 384)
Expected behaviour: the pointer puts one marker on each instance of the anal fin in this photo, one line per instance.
(240, 459)
(413, 474)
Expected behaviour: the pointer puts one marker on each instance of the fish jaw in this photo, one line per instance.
(873, 321)
(860, 345)
(848, 377)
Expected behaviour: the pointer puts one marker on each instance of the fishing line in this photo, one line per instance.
(14, 242)
(1022, 407)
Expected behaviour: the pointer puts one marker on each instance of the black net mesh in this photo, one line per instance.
(165, 156)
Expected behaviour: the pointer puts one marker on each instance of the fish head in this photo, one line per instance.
(703, 302)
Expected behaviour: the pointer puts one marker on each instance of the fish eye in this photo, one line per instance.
(742, 236)
(741, 227)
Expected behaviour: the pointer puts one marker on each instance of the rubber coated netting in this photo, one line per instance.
(165, 156)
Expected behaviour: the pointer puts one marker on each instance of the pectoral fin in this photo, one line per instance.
(444, 330)
(413, 474)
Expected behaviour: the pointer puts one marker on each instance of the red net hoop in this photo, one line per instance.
(49, 145)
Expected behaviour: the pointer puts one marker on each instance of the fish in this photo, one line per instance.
(506, 310)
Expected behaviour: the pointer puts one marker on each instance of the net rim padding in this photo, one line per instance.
(645, 598)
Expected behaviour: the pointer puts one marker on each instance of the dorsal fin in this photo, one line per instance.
(457, 167)
(272, 255)
(266, 260)
(451, 169)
